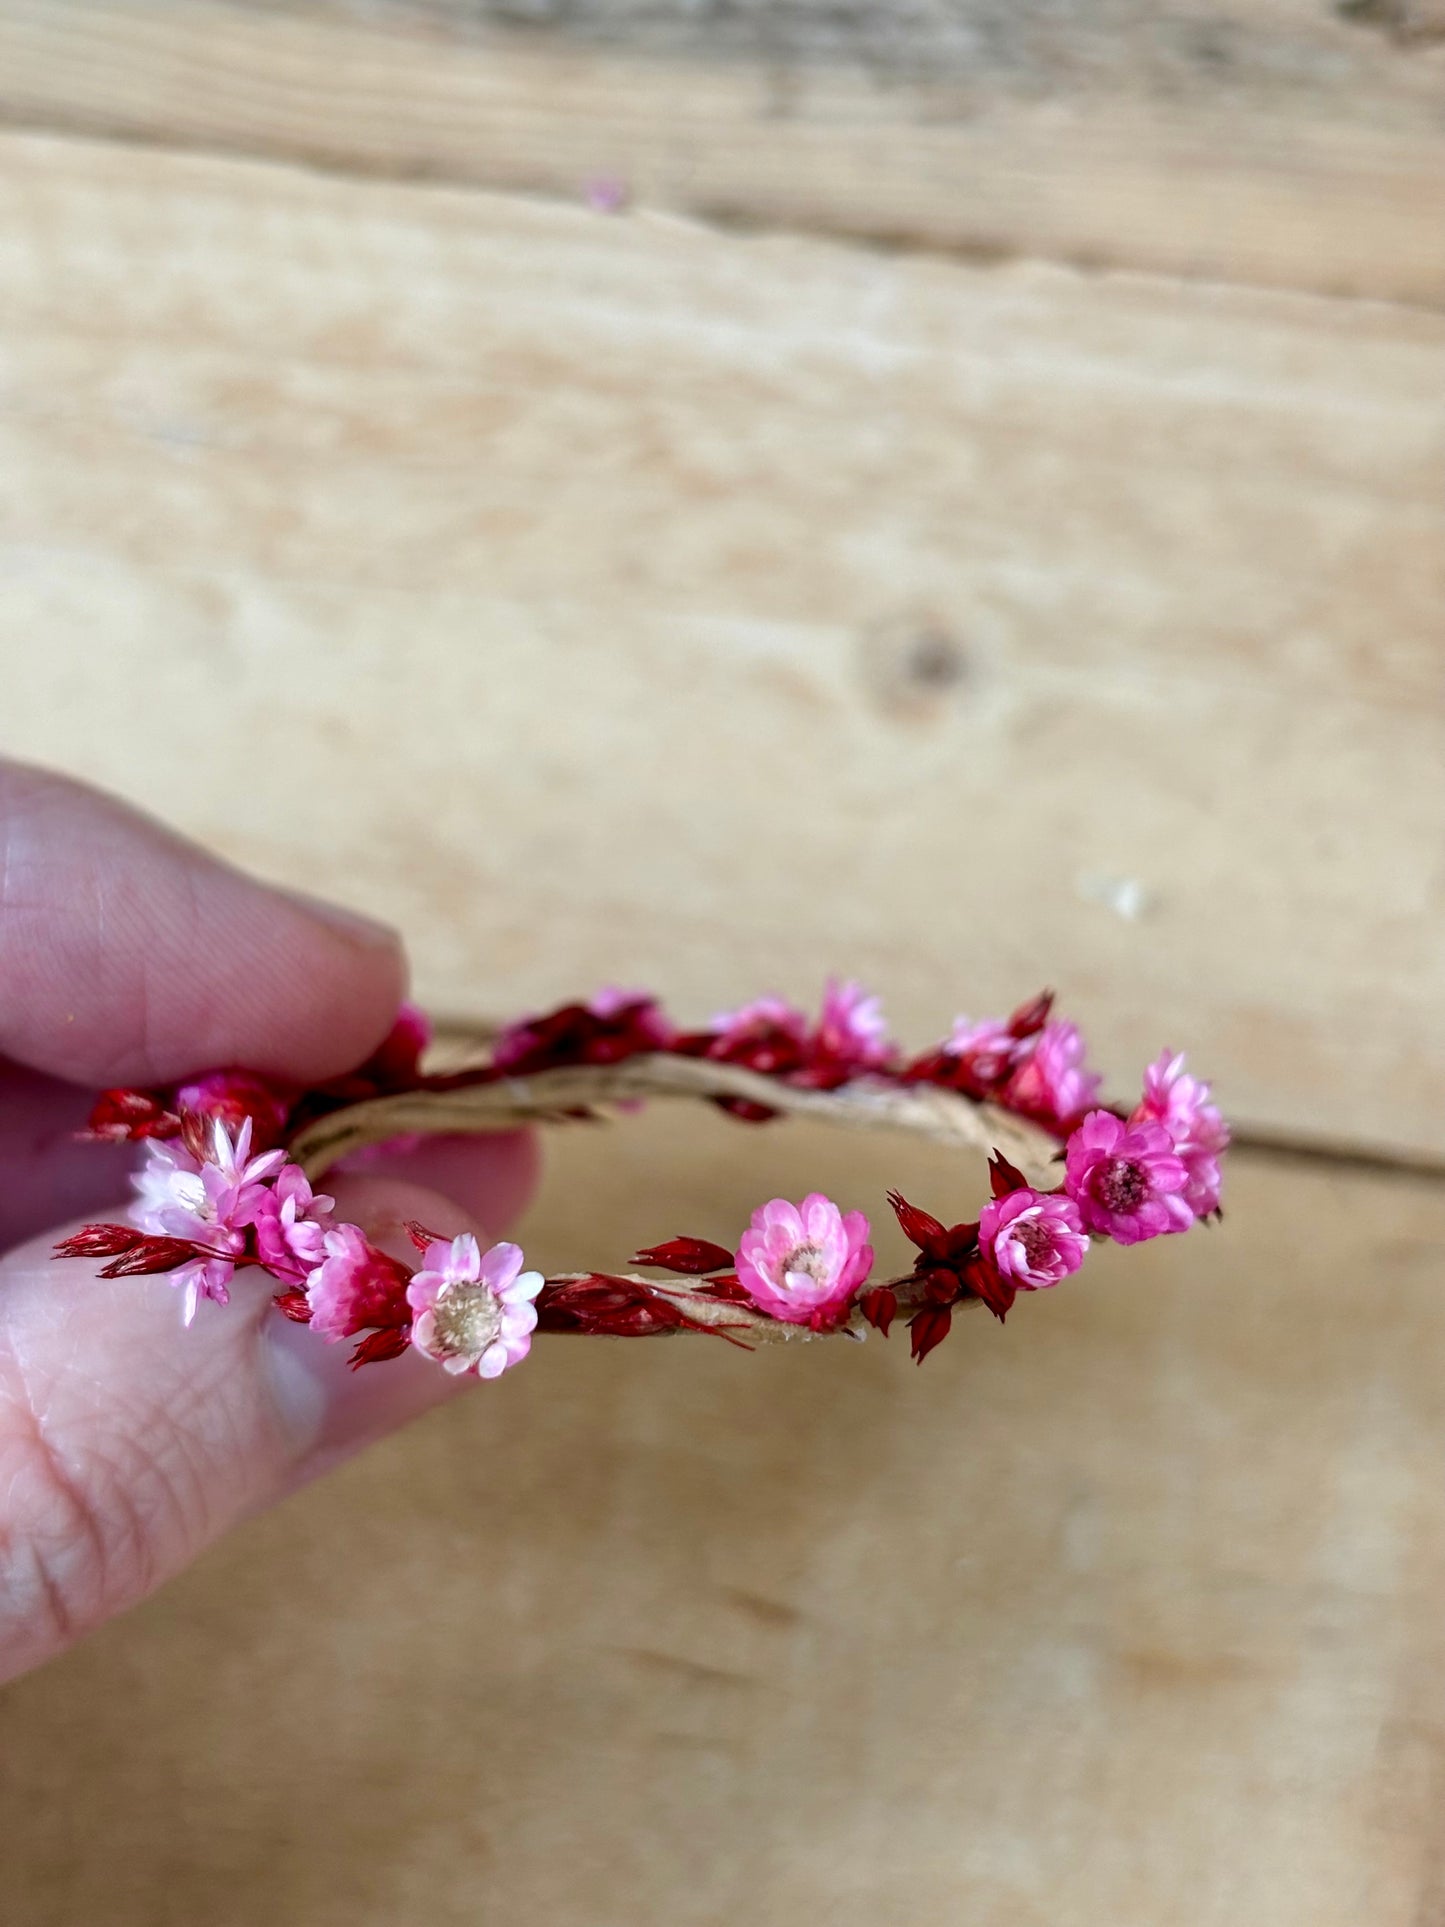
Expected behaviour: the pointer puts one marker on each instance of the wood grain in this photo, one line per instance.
(1126, 1613)
(609, 599)
(1276, 142)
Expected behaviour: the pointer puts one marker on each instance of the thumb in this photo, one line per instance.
(128, 1443)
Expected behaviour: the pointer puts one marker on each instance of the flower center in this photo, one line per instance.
(809, 1260)
(466, 1319)
(1036, 1240)
(1121, 1185)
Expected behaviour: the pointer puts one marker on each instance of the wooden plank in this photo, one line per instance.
(617, 600)
(1275, 142)
(1137, 1598)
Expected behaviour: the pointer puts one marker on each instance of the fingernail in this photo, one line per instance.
(367, 931)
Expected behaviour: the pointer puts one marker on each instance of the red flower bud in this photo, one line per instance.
(1031, 1017)
(928, 1328)
(99, 1241)
(879, 1307)
(150, 1255)
(693, 1256)
(1005, 1177)
(120, 1115)
(377, 1346)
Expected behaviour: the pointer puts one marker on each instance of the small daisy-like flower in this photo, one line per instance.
(1035, 1239)
(803, 1263)
(1181, 1103)
(473, 1309)
(1052, 1082)
(1126, 1179)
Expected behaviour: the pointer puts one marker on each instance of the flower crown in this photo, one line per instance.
(230, 1159)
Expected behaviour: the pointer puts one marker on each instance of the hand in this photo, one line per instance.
(127, 1443)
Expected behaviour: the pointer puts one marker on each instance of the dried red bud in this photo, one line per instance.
(99, 1241)
(1005, 1177)
(918, 1227)
(726, 1288)
(985, 1281)
(879, 1307)
(1031, 1017)
(120, 1115)
(928, 1328)
(378, 1346)
(692, 1256)
(293, 1304)
(150, 1255)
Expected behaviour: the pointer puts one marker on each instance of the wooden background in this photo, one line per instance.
(975, 518)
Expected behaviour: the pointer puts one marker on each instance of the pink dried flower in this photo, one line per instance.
(474, 1309)
(356, 1287)
(989, 1047)
(1126, 1179)
(1051, 1083)
(291, 1222)
(803, 1263)
(1035, 1239)
(852, 1028)
(1181, 1103)
(210, 1201)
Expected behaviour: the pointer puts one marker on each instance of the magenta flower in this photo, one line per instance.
(1126, 1179)
(1181, 1104)
(234, 1097)
(1034, 1238)
(803, 1263)
(355, 1287)
(1051, 1083)
(852, 1028)
(211, 1203)
(291, 1222)
(474, 1309)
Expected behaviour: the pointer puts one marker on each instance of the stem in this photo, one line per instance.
(751, 1327)
(503, 1104)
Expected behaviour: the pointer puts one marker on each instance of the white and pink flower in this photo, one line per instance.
(210, 1201)
(1181, 1103)
(1052, 1082)
(803, 1263)
(1126, 1179)
(473, 1309)
(1035, 1239)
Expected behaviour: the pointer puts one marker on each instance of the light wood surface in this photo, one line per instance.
(664, 600)
(1278, 142)
(1127, 1613)
(616, 600)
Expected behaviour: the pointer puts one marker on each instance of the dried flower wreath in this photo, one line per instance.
(230, 1159)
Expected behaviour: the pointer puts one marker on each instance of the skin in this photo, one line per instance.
(128, 1444)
